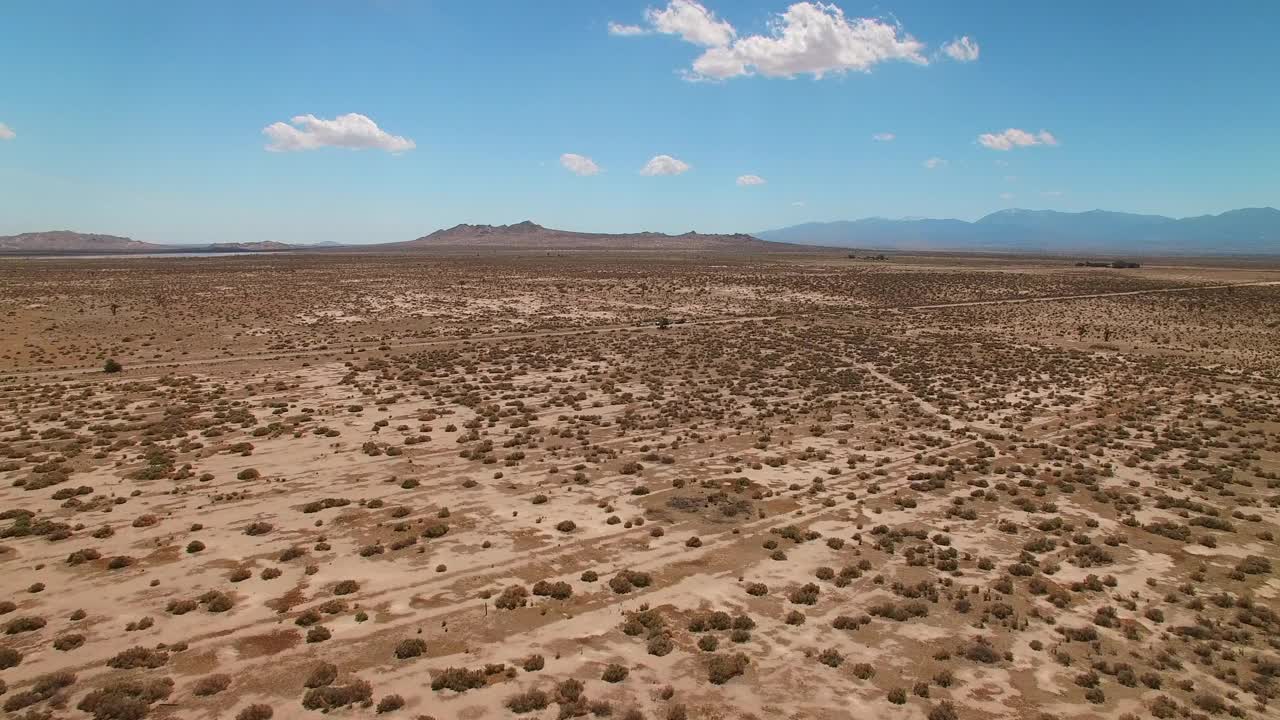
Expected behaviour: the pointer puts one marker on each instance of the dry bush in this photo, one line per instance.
(331, 697)
(527, 701)
(458, 679)
(126, 699)
(138, 657)
(211, 685)
(257, 711)
(410, 648)
(323, 674)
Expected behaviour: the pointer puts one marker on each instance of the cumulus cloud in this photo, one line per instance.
(6, 132)
(353, 131)
(692, 22)
(745, 180)
(664, 165)
(579, 164)
(883, 137)
(1013, 137)
(963, 49)
(934, 163)
(809, 38)
(622, 30)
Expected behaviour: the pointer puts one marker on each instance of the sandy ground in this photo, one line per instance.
(909, 492)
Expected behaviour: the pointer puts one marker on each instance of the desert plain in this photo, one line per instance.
(604, 485)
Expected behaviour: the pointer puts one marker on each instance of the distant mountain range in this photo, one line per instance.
(1250, 231)
(531, 236)
(57, 242)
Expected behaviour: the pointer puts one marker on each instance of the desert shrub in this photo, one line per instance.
(897, 696)
(216, 601)
(660, 645)
(9, 658)
(806, 594)
(330, 697)
(83, 556)
(724, 667)
(24, 624)
(181, 607)
(831, 657)
(708, 643)
(211, 685)
(528, 701)
(318, 633)
(125, 699)
(943, 711)
(346, 587)
(256, 711)
(119, 562)
(558, 590)
(1254, 565)
(458, 680)
(138, 657)
(566, 526)
(513, 597)
(44, 687)
(323, 674)
(410, 648)
(569, 691)
(863, 671)
(614, 673)
(390, 703)
(981, 652)
(757, 589)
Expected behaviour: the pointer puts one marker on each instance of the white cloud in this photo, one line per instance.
(884, 137)
(745, 180)
(934, 163)
(579, 164)
(1051, 193)
(1007, 196)
(353, 131)
(809, 38)
(692, 22)
(6, 132)
(664, 165)
(1013, 137)
(963, 49)
(798, 203)
(626, 30)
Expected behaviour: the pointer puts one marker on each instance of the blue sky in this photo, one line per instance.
(147, 119)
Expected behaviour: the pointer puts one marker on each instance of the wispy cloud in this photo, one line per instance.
(665, 165)
(884, 137)
(1013, 138)
(962, 49)
(622, 30)
(934, 163)
(745, 180)
(352, 131)
(6, 132)
(579, 164)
